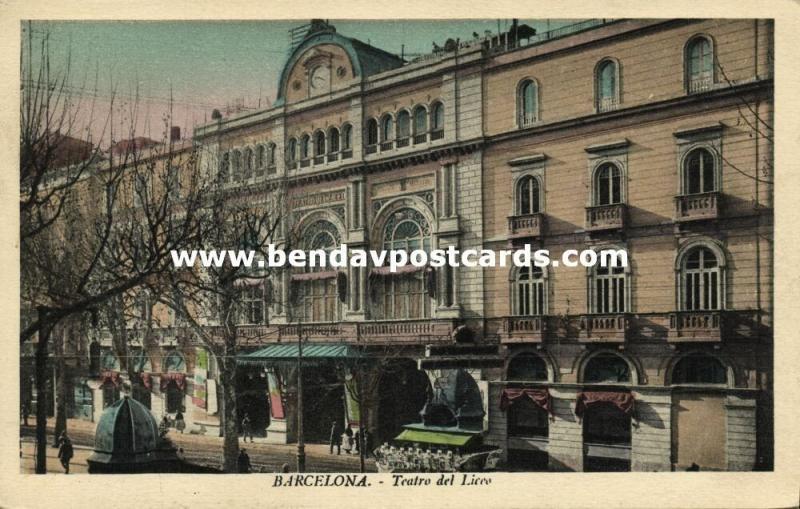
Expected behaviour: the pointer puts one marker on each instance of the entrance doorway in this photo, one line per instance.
(606, 439)
(323, 402)
(402, 393)
(252, 392)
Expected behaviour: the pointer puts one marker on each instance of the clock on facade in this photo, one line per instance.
(320, 78)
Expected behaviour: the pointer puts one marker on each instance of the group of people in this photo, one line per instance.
(350, 441)
(179, 422)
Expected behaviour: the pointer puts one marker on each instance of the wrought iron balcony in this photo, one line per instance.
(604, 328)
(371, 149)
(695, 326)
(607, 104)
(526, 225)
(437, 135)
(700, 83)
(694, 207)
(605, 217)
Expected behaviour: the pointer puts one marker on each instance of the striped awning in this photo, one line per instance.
(290, 351)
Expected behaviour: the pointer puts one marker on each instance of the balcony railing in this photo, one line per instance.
(333, 157)
(693, 207)
(420, 138)
(347, 154)
(394, 331)
(437, 135)
(371, 149)
(305, 163)
(604, 328)
(607, 104)
(319, 159)
(402, 142)
(695, 326)
(700, 83)
(605, 217)
(526, 225)
(527, 120)
(522, 329)
(387, 145)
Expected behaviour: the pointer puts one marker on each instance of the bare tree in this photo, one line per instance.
(209, 300)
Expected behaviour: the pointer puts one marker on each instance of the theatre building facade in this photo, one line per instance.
(652, 136)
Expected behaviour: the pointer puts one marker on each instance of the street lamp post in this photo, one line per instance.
(301, 446)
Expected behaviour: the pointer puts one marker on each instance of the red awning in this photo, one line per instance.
(311, 276)
(405, 269)
(178, 378)
(621, 400)
(110, 376)
(540, 397)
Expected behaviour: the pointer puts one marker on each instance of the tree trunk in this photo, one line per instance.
(230, 414)
(60, 380)
(41, 396)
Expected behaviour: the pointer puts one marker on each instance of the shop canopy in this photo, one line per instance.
(289, 353)
(441, 438)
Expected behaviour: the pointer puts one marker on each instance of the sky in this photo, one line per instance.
(211, 64)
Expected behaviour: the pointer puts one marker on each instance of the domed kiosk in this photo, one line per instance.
(127, 440)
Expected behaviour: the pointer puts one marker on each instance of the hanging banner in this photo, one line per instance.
(275, 401)
(352, 403)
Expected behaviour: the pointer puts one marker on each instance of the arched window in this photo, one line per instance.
(271, 157)
(318, 297)
(291, 151)
(405, 296)
(699, 172)
(372, 136)
(236, 162)
(305, 141)
(347, 137)
(528, 190)
(607, 85)
(333, 140)
(607, 184)
(420, 124)
(529, 292)
(225, 167)
(260, 156)
(527, 367)
(403, 128)
(437, 121)
(141, 362)
(699, 64)
(387, 132)
(699, 368)
(174, 363)
(528, 103)
(319, 143)
(248, 163)
(606, 368)
(608, 290)
(701, 280)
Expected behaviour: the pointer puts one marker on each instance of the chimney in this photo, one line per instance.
(174, 133)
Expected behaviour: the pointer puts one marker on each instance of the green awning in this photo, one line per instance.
(289, 352)
(434, 437)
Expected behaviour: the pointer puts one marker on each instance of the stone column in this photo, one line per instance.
(497, 433)
(740, 439)
(565, 446)
(651, 433)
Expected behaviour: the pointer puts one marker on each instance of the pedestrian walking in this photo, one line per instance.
(367, 443)
(163, 427)
(336, 437)
(247, 428)
(243, 462)
(65, 451)
(348, 440)
(180, 424)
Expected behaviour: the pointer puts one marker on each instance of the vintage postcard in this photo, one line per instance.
(370, 259)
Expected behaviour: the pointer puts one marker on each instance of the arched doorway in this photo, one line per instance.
(402, 393)
(606, 422)
(527, 422)
(252, 399)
